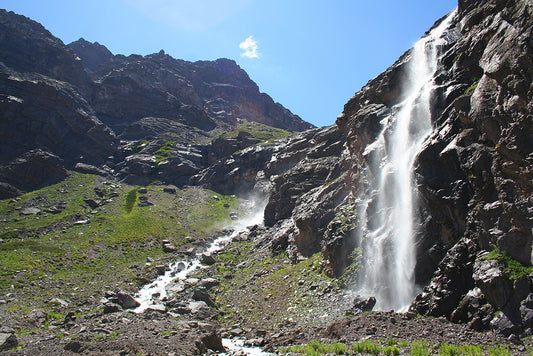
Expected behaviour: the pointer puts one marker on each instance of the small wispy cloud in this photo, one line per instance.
(249, 46)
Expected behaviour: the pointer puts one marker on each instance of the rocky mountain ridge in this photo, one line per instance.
(86, 106)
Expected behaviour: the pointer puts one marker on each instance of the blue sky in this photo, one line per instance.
(309, 55)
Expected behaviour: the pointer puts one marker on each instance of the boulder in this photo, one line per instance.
(8, 341)
(207, 259)
(493, 282)
(126, 301)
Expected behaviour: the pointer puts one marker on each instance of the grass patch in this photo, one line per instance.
(258, 131)
(471, 88)
(164, 152)
(49, 255)
(515, 269)
(317, 348)
(131, 199)
(420, 348)
(367, 347)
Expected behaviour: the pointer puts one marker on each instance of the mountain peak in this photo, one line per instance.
(92, 54)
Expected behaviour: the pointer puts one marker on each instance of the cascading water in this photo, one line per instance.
(153, 293)
(387, 213)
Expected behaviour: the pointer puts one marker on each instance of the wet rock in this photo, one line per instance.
(212, 341)
(361, 304)
(207, 259)
(161, 269)
(201, 294)
(126, 301)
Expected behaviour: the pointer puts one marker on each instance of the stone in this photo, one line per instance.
(8, 341)
(37, 317)
(170, 190)
(157, 308)
(110, 307)
(89, 169)
(169, 248)
(126, 301)
(201, 294)
(207, 259)
(30, 211)
(493, 282)
(74, 346)
(208, 283)
(92, 203)
(58, 302)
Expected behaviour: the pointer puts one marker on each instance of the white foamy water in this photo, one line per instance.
(388, 205)
(152, 293)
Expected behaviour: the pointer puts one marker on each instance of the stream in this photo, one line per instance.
(153, 293)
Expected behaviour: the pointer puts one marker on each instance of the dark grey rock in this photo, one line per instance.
(126, 301)
(8, 341)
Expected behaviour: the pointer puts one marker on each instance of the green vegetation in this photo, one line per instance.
(258, 131)
(131, 199)
(420, 348)
(79, 251)
(367, 347)
(515, 269)
(165, 151)
(315, 348)
(499, 351)
(460, 350)
(471, 88)
(391, 350)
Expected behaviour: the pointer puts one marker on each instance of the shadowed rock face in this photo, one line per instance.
(475, 173)
(91, 54)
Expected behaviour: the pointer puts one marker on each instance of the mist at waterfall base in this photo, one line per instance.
(387, 206)
(154, 293)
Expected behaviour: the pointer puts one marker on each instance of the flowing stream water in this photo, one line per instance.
(388, 205)
(153, 293)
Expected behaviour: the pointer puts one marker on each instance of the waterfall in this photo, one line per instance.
(388, 205)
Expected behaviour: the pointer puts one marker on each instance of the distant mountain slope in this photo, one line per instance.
(75, 102)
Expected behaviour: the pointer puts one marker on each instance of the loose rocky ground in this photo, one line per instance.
(59, 276)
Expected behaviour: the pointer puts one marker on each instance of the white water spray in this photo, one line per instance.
(387, 212)
(155, 292)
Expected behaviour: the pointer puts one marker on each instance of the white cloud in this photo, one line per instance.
(249, 46)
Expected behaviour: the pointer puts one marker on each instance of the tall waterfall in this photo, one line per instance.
(387, 211)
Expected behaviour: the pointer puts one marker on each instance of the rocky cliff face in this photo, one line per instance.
(75, 102)
(474, 173)
(203, 95)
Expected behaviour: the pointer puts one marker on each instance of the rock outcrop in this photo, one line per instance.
(474, 174)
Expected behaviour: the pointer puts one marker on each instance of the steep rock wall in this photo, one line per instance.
(475, 172)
